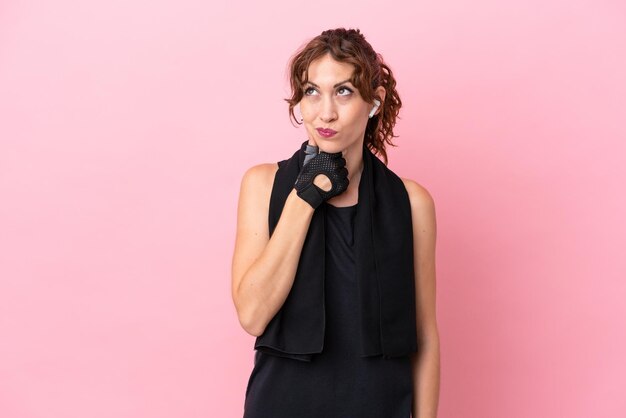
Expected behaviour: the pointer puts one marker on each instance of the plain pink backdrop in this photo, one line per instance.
(125, 129)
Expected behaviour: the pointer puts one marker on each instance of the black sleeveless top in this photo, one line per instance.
(337, 382)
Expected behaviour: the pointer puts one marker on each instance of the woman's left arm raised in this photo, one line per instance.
(426, 361)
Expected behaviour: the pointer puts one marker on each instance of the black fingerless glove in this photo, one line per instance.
(333, 166)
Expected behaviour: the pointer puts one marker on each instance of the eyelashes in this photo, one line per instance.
(346, 89)
(310, 91)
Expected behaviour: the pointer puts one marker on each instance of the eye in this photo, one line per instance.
(346, 91)
(309, 91)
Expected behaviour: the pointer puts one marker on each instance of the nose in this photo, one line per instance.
(328, 112)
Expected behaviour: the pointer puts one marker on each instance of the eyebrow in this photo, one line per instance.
(336, 85)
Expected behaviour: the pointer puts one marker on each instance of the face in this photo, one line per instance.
(333, 112)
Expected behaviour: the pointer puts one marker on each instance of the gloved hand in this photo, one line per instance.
(333, 166)
(310, 152)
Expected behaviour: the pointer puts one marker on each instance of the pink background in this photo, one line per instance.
(125, 129)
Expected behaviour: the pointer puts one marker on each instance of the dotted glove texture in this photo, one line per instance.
(333, 166)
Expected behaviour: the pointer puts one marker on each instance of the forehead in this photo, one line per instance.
(327, 70)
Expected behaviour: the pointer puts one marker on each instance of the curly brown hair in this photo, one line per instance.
(370, 71)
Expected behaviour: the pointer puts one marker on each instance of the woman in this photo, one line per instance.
(334, 262)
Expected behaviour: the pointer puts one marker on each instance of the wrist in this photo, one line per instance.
(299, 202)
(311, 194)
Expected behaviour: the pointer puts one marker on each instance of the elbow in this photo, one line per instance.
(429, 337)
(250, 315)
(251, 323)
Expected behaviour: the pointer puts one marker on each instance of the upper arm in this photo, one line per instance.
(424, 243)
(252, 219)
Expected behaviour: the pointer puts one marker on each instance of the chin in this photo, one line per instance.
(337, 143)
(331, 147)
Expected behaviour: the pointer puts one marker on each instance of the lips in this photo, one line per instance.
(326, 133)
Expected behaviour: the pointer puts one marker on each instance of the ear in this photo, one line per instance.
(380, 93)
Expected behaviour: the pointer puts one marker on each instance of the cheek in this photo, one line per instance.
(357, 115)
(305, 112)
(308, 109)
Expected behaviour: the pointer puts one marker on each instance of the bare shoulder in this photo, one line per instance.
(422, 206)
(260, 175)
(420, 197)
(254, 198)
(257, 182)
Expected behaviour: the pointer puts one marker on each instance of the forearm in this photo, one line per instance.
(266, 284)
(426, 376)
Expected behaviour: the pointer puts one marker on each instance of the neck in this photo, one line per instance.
(354, 162)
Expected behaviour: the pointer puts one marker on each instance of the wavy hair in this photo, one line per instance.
(370, 71)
